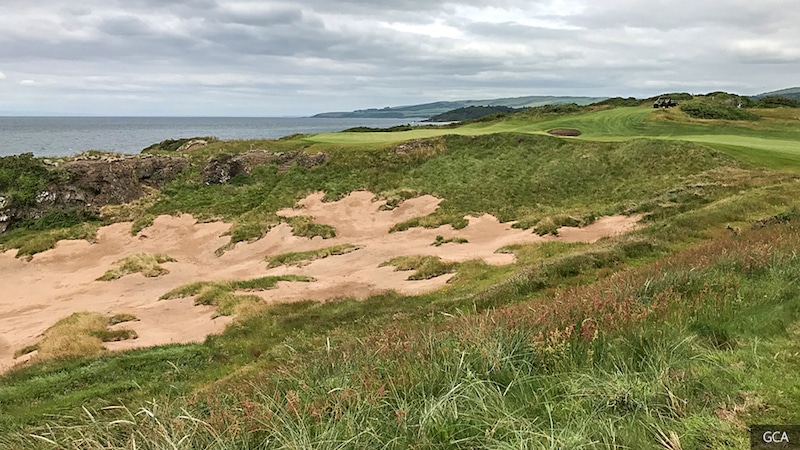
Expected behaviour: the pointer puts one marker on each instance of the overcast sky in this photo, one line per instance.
(275, 58)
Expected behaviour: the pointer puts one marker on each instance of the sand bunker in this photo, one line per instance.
(56, 283)
(564, 132)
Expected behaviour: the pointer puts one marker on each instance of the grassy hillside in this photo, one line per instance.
(677, 335)
(792, 93)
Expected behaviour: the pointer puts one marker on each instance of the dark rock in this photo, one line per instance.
(91, 182)
(220, 169)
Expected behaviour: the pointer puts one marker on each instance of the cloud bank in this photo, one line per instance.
(268, 58)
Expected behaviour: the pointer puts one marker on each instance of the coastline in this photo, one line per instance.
(66, 136)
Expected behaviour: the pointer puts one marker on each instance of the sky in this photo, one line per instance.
(279, 58)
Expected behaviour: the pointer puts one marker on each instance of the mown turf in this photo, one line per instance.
(765, 139)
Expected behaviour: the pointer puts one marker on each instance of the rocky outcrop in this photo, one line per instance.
(86, 183)
(181, 145)
(220, 169)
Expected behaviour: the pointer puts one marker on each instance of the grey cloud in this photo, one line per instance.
(683, 14)
(282, 57)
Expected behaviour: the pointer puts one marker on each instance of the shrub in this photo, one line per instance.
(720, 112)
(776, 101)
(23, 177)
(619, 101)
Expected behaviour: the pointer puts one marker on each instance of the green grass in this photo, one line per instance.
(304, 258)
(769, 137)
(30, 242)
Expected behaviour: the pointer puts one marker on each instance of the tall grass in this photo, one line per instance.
(80, 335)
(632, 362)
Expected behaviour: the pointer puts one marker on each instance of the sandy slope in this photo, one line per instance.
(61, 281)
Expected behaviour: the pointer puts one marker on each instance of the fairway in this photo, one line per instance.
(771, 143)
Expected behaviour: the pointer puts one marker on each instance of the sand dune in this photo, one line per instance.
(56, 283)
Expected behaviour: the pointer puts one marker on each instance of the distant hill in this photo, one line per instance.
(792, 93)
(471, 113)
(431, 109)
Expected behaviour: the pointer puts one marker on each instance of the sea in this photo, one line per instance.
(64, 136)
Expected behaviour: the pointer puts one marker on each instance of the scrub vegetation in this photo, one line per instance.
(678, 335)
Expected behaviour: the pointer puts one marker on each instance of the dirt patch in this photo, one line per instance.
(61, 281)
(564, 132)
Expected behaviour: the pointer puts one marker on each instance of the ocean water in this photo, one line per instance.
(63, 136)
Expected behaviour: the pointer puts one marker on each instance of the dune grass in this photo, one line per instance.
(81, 335)
(304, 258)
(424, 267)
(144, 263)
(440, 240)
(224, 295)
(304, 226)
(30, 242)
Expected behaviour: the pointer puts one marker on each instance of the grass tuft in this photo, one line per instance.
(122, 318)
(304, 226)
(81, 335)
(146, 264)
(304, 258)
(223, 294)
(440, 240)
(425, 267)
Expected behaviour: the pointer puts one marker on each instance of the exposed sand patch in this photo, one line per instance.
(565, 132)
(61, 281)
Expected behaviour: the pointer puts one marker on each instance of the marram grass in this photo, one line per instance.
(224, 294)
(144, 263)
(80, 335)
(304, 258)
